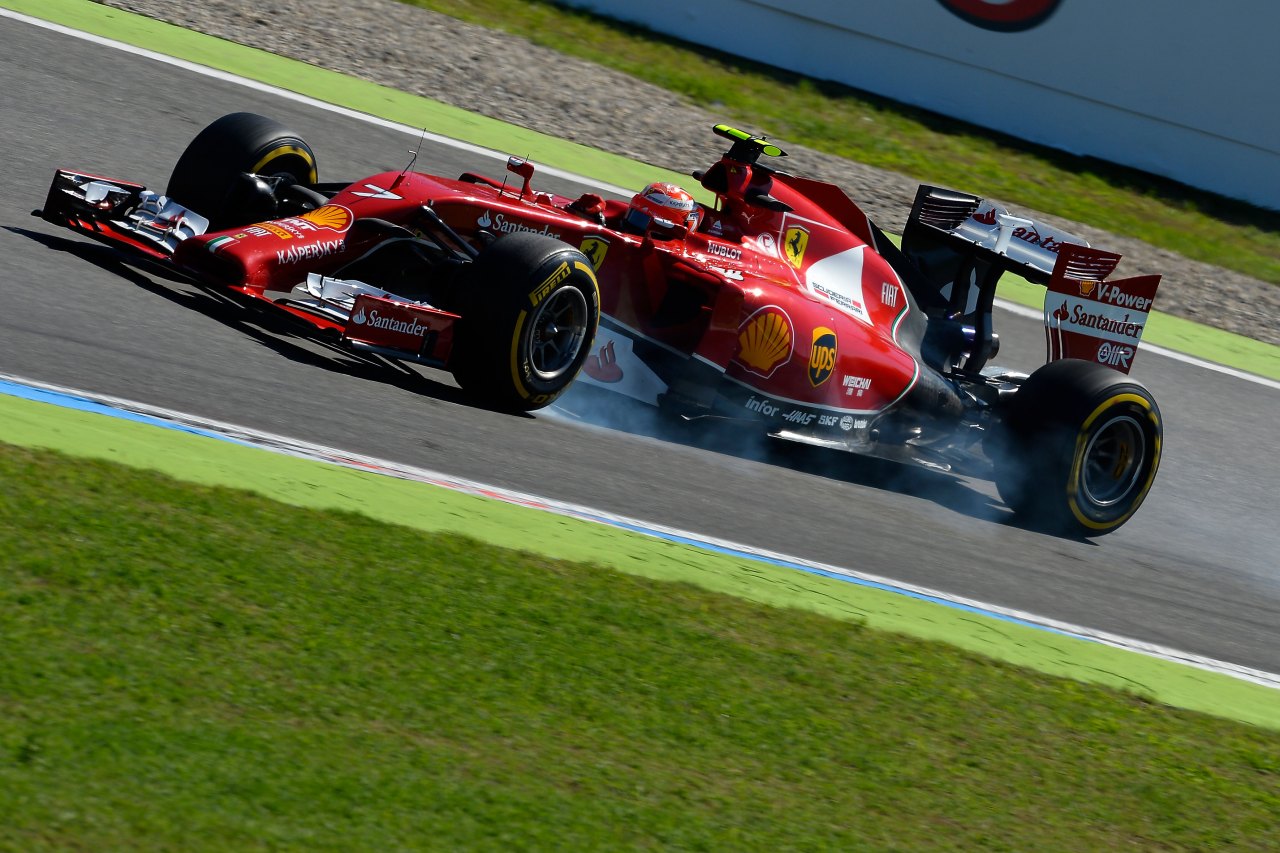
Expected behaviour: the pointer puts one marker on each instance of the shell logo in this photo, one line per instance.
(335, 217)
(765, 341)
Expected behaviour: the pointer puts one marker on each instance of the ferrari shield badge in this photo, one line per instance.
(595, 249)
(794, 244)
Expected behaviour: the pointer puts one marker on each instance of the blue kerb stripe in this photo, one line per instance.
(827, 573)
(82, 404)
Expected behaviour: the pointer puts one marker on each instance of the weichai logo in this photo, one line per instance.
(1006, 16)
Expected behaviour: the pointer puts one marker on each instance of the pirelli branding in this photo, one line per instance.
(544, 289)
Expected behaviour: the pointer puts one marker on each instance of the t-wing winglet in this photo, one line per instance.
(746, 148)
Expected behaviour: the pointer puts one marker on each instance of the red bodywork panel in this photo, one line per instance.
(796, 306)
(408, 328)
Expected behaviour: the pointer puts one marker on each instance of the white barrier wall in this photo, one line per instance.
(1181, 88)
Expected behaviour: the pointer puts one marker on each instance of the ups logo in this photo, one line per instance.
(822, 359)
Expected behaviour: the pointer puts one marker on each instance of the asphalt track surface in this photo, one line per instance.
(1195, 570)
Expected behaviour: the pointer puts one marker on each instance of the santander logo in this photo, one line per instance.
(1006, 16)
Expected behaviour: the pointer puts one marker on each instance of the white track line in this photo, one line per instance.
(226, 77)
(1036, 314)
(321, 453)
(1257, 676)
(498, 155)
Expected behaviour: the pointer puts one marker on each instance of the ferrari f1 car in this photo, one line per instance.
(781, 306)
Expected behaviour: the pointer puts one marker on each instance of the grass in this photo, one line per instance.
(197, 668)
(926, 146)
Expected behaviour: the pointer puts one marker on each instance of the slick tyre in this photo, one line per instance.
(529, 315)
(1080, 446)
(209, 176)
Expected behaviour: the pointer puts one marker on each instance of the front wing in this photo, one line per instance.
(128, 216)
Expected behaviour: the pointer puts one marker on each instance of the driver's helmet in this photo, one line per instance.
(664, 206)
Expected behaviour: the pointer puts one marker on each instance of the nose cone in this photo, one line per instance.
(216, 257)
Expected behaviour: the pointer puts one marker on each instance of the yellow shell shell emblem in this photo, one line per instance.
(765, 341)
(332, 216)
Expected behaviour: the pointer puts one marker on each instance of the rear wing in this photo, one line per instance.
(959, 246)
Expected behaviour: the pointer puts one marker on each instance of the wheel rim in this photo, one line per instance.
(559, 328)
(1113, 461)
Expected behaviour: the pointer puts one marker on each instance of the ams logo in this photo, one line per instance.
(822, 359)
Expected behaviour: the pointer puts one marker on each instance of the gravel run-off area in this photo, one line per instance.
(508, 78)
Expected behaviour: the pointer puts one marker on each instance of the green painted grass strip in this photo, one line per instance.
(308, 484)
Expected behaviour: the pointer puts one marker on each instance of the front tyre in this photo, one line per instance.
(209, 176)
(530, 310)
(1081, 446)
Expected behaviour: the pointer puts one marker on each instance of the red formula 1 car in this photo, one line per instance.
(782, 306)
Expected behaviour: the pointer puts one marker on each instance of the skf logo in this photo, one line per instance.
(561, 273)
(595, 249)
(1087, 287)
(794, 244)
(764, 341)
(822, 360)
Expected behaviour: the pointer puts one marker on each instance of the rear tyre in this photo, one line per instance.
(208, 177)
(1081, 446)
(530, 310)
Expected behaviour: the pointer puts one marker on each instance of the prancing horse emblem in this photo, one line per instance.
(794, 244)
(595, 248)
